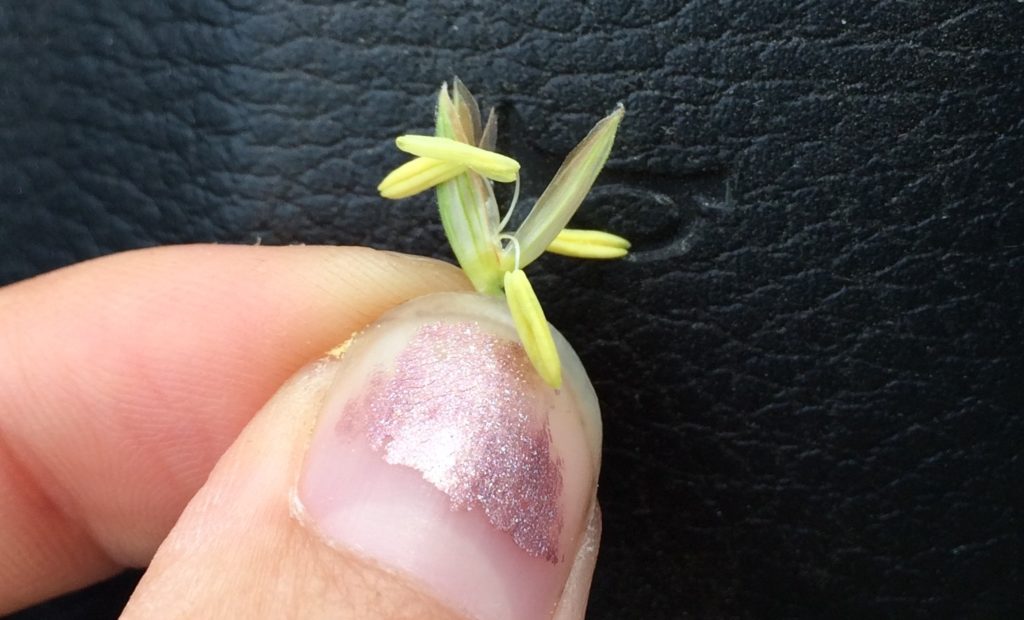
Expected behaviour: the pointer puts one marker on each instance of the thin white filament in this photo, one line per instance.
(511, 208)
(515, 247)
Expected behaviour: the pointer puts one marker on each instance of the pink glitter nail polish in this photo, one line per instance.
(442, 455)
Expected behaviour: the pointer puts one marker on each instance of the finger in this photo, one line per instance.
(430, 473)
(573, 603)
(124, 379)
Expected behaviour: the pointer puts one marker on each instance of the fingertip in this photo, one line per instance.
(576, 595)
(477, 507)
(441, 454)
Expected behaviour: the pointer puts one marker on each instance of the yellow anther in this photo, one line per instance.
(532, 327)
(489, 164)
(418, 175)
(588, 244)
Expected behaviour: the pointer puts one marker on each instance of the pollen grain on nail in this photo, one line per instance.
(339, 351)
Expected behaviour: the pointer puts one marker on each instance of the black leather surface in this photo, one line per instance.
(810, 368)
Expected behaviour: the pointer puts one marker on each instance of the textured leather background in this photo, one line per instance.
(810, 367)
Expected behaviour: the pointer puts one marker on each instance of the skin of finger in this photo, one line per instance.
(127, 377)
(573, 602)
(237, 551)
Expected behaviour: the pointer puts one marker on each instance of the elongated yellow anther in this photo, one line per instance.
(532, 327)
(588, 244)
(416, 176)
(487, 163)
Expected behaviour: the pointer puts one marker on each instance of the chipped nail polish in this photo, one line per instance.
(442, 455)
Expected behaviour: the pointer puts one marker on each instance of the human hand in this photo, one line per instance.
(127, 380)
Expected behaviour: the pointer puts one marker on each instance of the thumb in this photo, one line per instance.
(427, 473)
